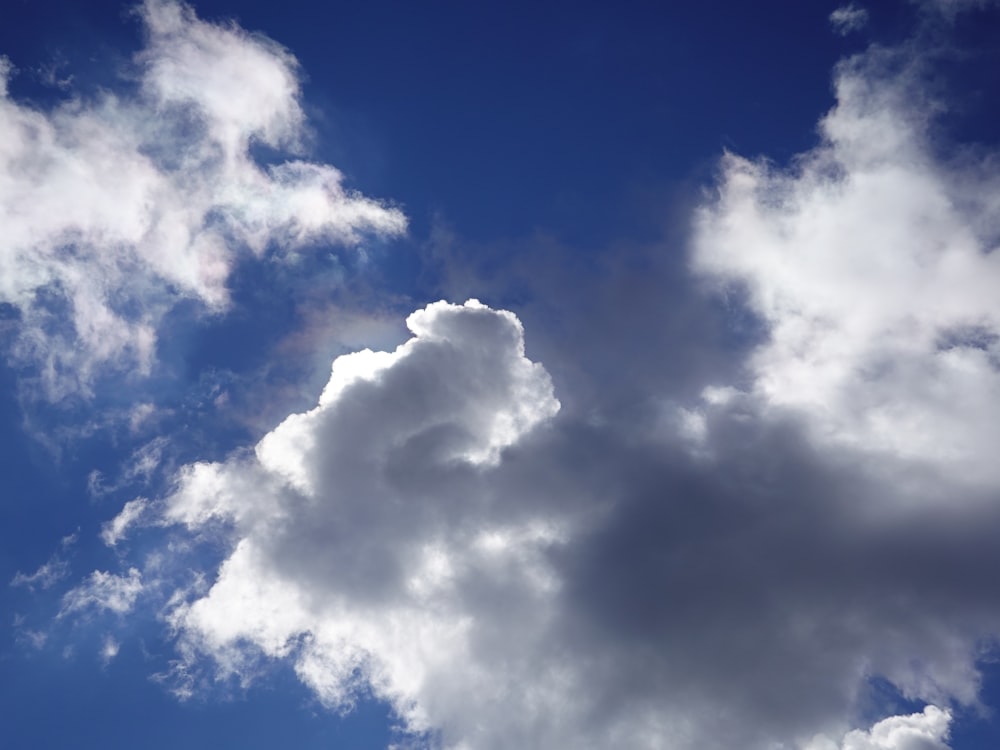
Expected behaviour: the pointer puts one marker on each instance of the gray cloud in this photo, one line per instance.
(754, 594)
(601, 586)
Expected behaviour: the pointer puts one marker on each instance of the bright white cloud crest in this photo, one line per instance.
(923, 731)
(872, 267)
(117, 207)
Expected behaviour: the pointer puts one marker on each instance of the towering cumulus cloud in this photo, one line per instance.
(116, 207)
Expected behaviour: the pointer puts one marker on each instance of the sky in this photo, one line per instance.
(479, 376)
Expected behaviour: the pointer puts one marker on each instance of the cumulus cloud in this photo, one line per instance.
(873, 265)
(118, 205)
(923, 731)
(603, 586)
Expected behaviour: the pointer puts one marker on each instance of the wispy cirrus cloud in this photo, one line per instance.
(46, 576)
(118, 205)
(104, 591)
(55, 569)
(849, 18)
(115, 530)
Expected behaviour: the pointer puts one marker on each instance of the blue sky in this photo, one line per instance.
(484, 376)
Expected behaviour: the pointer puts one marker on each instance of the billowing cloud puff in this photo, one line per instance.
(873, 265)
(116, 207)
(923, 731)
(360, 525)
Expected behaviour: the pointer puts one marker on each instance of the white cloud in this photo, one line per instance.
(508, 577)
(362, 524)
(874, 266)
(116, 207)
(849, 18)
(924, 731)
(104, 591)
(115, 530)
